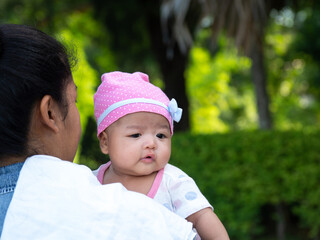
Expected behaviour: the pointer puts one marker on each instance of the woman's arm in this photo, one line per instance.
(208, 225)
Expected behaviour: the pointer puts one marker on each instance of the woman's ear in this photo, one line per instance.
(103, 140)
(49, 113)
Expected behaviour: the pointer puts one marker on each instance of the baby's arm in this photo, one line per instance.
(208, 225)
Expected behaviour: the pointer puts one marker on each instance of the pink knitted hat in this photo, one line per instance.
(122, 93)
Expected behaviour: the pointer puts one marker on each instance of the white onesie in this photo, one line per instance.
(173, 188)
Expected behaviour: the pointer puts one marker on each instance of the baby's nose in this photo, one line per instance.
(150, 142)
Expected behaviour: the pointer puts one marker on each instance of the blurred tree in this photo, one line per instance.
(243, 21)
(219, 90)
(293, 72)
(306, 45)
(138, 39)
(45, 15)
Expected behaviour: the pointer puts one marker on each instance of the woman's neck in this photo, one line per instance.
(5, 161)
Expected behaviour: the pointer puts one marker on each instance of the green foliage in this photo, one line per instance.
(308, 26)
(92, 39)
(220, 90)
(43, 14)
(220, 94)
(90, 149)
(82, 32)
(241, 173)
(293, 70)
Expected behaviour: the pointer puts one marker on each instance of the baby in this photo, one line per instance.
(135, 126)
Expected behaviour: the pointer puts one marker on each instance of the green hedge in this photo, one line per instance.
(241, 173)
(246, 175)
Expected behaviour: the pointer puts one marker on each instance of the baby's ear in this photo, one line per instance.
(103, 139)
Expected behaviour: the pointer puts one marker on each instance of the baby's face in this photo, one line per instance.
(139, 143)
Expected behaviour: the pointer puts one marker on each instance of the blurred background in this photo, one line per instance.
(245, 72)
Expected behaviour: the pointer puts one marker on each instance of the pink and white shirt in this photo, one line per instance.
(172, 188)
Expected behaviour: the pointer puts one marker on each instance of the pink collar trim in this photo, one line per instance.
(156, 183)
(102, 170)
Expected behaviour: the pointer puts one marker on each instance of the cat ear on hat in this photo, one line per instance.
(110, 75)
(143, 76)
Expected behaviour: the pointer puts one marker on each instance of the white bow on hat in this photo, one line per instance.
(174, 110)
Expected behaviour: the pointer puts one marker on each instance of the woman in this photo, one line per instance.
(40, 131)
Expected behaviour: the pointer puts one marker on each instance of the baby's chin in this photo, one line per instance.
(149, 172)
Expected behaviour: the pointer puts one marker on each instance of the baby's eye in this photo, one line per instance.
(161, 135)
(136, 135)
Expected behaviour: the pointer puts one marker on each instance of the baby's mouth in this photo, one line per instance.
(148, 158)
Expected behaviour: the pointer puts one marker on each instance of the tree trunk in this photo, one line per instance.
(172, 69)
(259, 82)
(281, 221)
(175, 87)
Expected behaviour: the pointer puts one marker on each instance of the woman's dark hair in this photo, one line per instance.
(32, 65)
